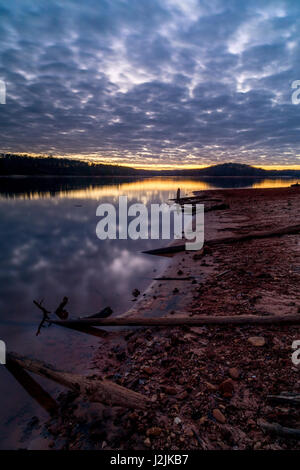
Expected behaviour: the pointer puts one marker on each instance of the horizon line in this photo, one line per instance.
(152, 166)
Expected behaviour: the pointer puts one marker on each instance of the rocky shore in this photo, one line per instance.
(208, 385)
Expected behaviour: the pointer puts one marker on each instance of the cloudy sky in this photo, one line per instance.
(152, 82)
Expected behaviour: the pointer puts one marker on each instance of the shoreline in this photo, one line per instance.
(208, 385)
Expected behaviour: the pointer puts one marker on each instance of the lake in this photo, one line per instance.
(49, 249)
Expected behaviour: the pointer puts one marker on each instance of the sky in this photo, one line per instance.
(152, 82)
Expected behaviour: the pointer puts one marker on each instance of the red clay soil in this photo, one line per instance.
(208, 385)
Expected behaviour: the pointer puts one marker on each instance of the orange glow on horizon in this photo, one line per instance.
(151, 166)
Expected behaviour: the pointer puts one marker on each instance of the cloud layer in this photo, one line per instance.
(152, 82)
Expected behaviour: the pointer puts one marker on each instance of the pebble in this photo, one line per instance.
(258, 341)
(169, 390)
(177, 420)
(234, 373)
(218, 415)
(182, 395)
(148, 370)
(155, 432)
(227, 388)
(211, 386)
(147, 442)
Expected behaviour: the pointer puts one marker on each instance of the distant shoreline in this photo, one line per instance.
(151, 176)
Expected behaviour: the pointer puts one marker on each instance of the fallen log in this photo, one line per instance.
(169, 250)
(166, 251)
(87, 329)
(289, 230)
(286, 399)
(32, 387)
(217, 207)
(188, 278)
(184, 320)
(92, 389)
(276, 428)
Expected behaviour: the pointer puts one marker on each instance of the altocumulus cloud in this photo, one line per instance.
(151, 82)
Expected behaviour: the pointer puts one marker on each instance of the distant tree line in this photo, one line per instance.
(11, 164)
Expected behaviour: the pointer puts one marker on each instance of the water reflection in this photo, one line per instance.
(49, 249)
(97, 187)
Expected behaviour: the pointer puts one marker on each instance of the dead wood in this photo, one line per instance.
(289, 230)
(189, 278)
(45, 315)
(184, 320)
(60, 311)
(91, 389)
(286, 399)
(279, 430)
(32, 387)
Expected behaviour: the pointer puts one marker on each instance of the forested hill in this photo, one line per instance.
(11, 164)
(40, 166)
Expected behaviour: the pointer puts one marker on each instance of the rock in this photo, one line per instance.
(227, 388)
(147, 442)
(135, 292)
(182, 395)
(218, 415)
(154, 432)
(234, 373)
(133, 416)
(169, 390)
(211, 386)
(148, 370)
(177, 420)
(258, 341)
(189, 432)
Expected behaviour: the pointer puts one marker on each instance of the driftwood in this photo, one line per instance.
(289, 230)
(184, 320)
(189, 278)
(32, 387)
(63, 315)
(276, 428)
(104, 313)
(217, 207)
(166, 251)
(86, 329)
(286, 399)
(46, 314)
(60, 311)
(92, 389)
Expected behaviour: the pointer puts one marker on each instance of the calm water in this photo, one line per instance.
(49, 249)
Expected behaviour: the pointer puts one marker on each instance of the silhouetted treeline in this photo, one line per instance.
(26, 165)
(11, 164)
